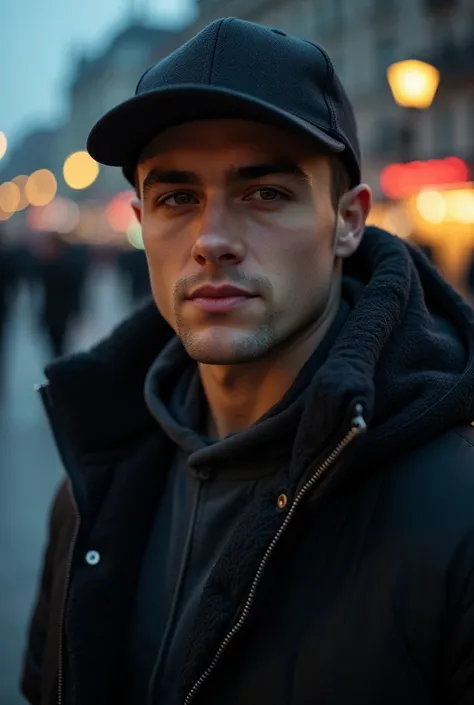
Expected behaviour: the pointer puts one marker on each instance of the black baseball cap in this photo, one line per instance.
(233, 69)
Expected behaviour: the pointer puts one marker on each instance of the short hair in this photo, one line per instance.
(340, 180)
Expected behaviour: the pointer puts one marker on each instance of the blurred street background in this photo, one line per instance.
(71, 257)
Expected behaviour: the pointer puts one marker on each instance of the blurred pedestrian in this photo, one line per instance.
(270, 483)
(61, 270)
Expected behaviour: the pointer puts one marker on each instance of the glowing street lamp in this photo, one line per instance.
(413, 83)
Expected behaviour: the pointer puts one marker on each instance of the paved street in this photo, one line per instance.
(30, 469)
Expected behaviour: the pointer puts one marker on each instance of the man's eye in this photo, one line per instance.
(267, 194)
(180, 198)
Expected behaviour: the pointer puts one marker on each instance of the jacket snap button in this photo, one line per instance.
(282, 500)
(92, 557)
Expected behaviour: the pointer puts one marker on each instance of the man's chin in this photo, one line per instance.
(218, 347)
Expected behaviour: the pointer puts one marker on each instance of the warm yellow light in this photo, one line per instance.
(431, 206)
(460, 205)
(394, 218)
(41, 187)
(10, 196)
(80, 170)
(413, 83)
(21, 181)
(3, 144)
(4, 215)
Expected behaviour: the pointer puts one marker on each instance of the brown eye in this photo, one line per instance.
(180, 198)
(269, 194)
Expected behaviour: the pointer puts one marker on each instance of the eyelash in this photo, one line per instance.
(162, 201)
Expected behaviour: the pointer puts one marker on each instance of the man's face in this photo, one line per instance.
(239, 232)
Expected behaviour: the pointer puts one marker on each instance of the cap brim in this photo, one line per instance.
(120, 136)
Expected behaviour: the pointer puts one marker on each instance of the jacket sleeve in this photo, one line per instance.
(460, 627)
(31, 676)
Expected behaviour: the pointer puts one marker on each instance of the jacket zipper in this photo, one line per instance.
(358, 426)
(44, 391)
(63, 606)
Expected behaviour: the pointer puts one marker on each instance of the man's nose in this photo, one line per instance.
(218, 241)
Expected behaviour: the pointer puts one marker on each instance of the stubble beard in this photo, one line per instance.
(221, 345)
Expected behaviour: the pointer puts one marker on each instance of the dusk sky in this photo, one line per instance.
(37, 43)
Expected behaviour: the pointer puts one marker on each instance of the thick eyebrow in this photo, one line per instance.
(169, 176)
(261, 171)
(252, 172)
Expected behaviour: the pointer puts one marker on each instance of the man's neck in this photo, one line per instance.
(238, 395)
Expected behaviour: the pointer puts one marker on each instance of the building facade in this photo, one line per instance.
(101, 82)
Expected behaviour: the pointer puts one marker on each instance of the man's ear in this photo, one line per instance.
(137, 209)
(353, 210)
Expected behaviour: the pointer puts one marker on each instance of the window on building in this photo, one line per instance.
(331, 15)
(385, 54)
(336, 13)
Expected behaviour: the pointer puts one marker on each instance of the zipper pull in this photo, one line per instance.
(358, 421)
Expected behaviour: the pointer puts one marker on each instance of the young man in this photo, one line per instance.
(270, 493)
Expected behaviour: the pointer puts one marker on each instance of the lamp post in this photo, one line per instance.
(413, 85)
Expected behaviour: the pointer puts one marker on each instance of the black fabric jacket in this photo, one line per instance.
(350, 580)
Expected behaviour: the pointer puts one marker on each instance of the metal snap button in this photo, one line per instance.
(92, 557)
(205, 473)
(282, 500)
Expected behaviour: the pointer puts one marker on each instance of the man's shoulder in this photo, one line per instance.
(466, 433)
(432, 487)
(451, 454)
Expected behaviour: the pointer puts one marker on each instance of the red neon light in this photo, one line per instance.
(402, 180)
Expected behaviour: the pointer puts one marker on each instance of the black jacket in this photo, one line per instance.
(350, 580)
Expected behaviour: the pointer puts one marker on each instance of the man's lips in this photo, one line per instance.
(223, 291)
(220, 299)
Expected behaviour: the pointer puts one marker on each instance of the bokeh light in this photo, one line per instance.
(4, 215)
(3, 144)
(80, 170)
(21, 181)
(93, 226)
(10, 197)
(413, 83)
(460, 205)
(431, 206)
(61, 216)
(134, 235)
(119, 211)
(41, 187)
